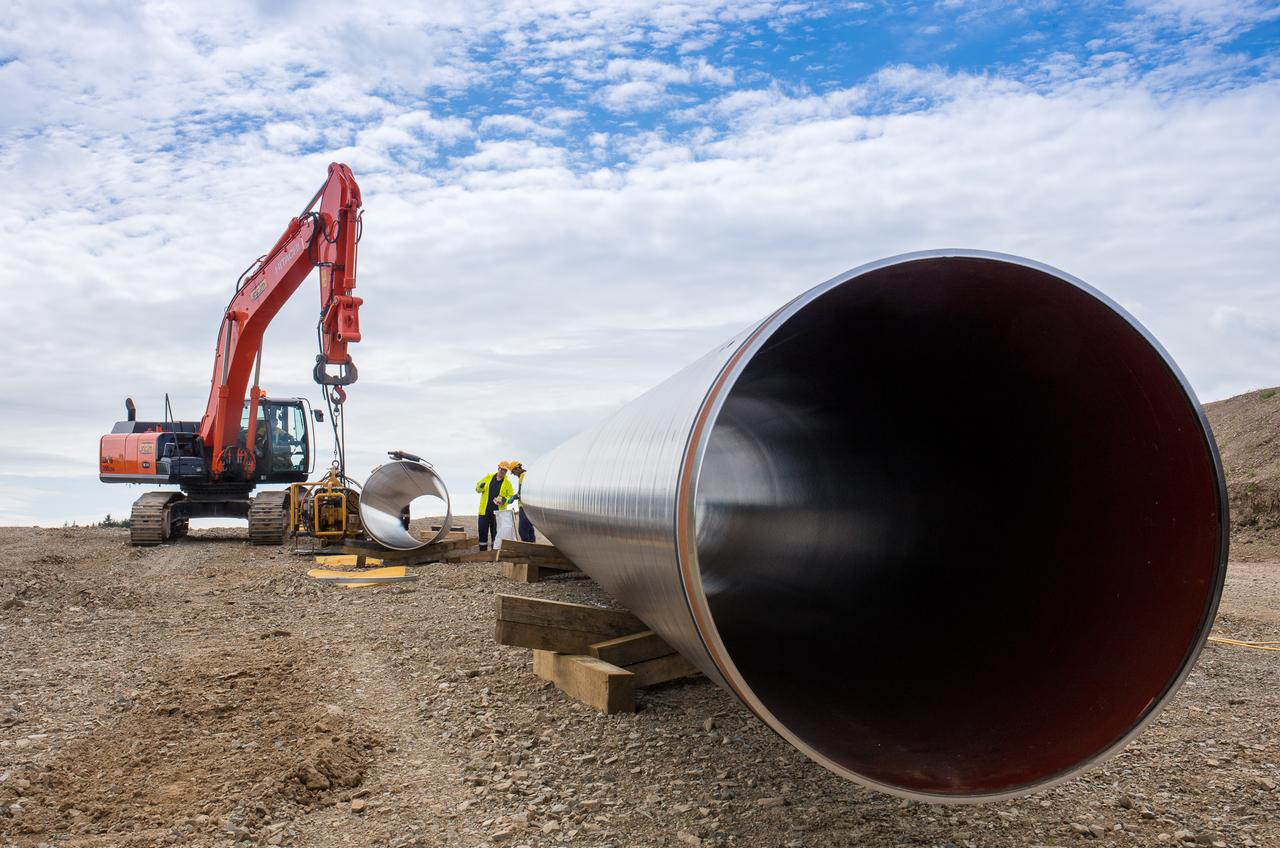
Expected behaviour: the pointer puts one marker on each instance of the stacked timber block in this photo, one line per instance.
(529, 562)
(449, 549)
(598, 656)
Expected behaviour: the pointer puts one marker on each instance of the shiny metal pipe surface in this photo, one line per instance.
(952, 523)
(387, 495)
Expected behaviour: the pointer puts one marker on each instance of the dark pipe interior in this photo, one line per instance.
(958, 526)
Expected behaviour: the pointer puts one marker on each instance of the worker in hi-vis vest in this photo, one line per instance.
(495, 495)
(524, 527)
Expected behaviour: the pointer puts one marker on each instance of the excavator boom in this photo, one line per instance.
(326, 239)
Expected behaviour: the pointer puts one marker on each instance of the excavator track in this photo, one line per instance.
(269, 518)
(151, 521)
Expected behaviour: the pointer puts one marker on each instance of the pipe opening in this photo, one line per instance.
(397, 493)
(957, 526)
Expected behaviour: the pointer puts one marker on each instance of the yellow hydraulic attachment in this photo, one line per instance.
(327, 510)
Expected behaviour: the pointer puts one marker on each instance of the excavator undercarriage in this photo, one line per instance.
(160, 517)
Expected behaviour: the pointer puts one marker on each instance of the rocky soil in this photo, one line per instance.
(207, 693)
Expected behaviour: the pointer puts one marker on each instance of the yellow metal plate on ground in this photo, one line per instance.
(346, 559)
(362, 577)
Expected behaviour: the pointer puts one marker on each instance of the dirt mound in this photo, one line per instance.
(225, 741)
(1247, 428)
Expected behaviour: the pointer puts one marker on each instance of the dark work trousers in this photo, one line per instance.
(488, 527)
(525, 530)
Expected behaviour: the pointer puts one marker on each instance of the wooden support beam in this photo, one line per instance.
(631, 649)
(529, 562)
(661, 669)
(646, 656)
(452, 543)
(520, 572)
(544, 564)
(474, 556)
(596, 655)
(434, 552)
(565, 568)
(529, 572)
(609, 622)
(531, 548)
(542, 638)
(550, 562)
(515, 551)
(593, 682)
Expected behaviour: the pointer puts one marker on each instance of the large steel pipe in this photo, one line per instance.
(387, 496)
(952, 523)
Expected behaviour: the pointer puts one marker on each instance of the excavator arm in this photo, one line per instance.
(324, 238)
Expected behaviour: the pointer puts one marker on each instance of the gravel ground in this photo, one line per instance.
(207, 693)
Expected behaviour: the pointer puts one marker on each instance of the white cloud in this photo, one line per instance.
(645, 83)
(287, 135)
(511, 156)
(1219, 16)
(633, 94)
(521, 125)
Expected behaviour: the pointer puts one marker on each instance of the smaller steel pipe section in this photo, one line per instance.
(953, 523)
(386, 497)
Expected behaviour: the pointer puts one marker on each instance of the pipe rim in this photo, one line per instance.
(686, 532)
(407, 467)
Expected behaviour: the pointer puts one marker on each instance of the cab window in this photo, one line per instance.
(280, 440)
(299, 454)
(287, 433)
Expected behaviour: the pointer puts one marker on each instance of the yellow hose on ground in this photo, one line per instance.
(1259, 646)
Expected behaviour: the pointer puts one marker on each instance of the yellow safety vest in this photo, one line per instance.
(504, 491)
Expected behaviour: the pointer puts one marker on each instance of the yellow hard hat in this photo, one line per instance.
(504, 465)
(514, 463)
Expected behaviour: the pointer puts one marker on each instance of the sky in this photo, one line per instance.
(568, 200)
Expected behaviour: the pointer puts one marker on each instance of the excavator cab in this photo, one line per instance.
(281, 442)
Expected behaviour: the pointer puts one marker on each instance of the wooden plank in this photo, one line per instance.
(631, 649)
(530, 548)
(541, 638)
(520, 572)
(610, 622)
(528, 572)
(551, 565)
(433, 552)
(662, 669)
(474, 556)
(560, 564)
(593, 682)
(532, 551)
(545, 565)
(522, 549)
(452, 544)
(544, 664)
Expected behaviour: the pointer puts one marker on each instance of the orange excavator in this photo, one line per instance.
(246, 438)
